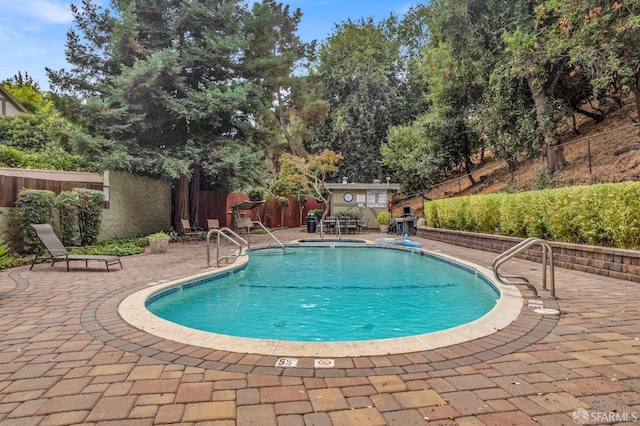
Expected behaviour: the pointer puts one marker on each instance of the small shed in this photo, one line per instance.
(10, 106)
(367, 199)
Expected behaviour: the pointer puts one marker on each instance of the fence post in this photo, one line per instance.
(589, 154)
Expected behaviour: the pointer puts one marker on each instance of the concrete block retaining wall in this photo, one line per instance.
(605, 261)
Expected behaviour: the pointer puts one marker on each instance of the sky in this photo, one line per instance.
(33, 32)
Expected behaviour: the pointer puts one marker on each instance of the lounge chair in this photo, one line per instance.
(59, 253)
(194, 232)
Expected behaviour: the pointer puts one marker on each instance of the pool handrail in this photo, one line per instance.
(336, 227)
(236, 239)
(547, 261)
(257, 222)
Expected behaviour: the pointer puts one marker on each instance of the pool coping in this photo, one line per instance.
(508, 308)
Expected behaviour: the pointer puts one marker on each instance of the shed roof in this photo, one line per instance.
(6, 97)
(363, 186)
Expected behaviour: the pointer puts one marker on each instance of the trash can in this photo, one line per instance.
(312, 223)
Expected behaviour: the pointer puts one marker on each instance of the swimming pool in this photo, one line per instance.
(505, 310)
(331, 294)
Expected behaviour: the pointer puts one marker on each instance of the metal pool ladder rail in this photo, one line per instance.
(234, 238)
(547, 261)
(269, 232)
(230, 236)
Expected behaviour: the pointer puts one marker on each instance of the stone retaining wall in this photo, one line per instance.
(605, 261)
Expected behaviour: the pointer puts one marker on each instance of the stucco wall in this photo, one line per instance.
(367, 199)
(137, 206)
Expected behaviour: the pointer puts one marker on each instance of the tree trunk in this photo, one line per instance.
(469, 172)
(283, 124)
(182, 201)
(512, 162)
(194, 195)
(555, 155)
(555, 159)
(467, 160)
(635, 89)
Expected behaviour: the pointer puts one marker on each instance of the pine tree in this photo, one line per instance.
(163, 77)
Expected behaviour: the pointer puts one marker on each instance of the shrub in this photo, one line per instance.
(604, 214)
(455, 214)
(115, 247)
(540, 178)
(89, 214)
(510, 188)
(4, 253)
(160, 234)
(257, 194)
(317, 212)
(349, 214)
(431, 214)
(11, 157)
(67, 206)
(485, 212)
(383, 218)
(34, 206)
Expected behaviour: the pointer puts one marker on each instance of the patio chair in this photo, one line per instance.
(194, 232)
(213, 224)
(57, 252)
(362, 226)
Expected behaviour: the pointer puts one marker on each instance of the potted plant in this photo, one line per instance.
(383, 219)
(159, 242)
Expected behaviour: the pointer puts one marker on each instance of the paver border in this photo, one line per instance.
(101, 320)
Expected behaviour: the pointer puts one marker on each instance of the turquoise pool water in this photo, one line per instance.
(331, 294)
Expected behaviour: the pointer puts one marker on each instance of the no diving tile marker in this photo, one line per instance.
(324, 363)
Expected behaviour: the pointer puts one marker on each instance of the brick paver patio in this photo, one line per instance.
(66, 357)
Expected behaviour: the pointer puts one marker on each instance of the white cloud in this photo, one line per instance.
(51, 11)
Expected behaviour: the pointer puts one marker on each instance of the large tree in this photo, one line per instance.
(454, 68)
(601, 39)
(535, 55)
(277, 60)
(165, 79)
(359, 75)
(505, 118)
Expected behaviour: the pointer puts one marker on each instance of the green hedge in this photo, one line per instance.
(79, 212)
(34, 206)
(603, 215)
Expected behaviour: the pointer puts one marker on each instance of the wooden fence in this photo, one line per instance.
(217, 205)
(14, 180)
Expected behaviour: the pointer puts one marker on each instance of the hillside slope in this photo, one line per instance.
(608, 151)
